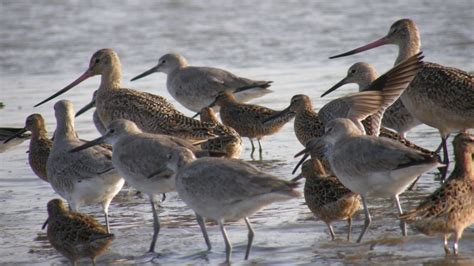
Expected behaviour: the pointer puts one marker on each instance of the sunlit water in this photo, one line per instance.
(46, 44)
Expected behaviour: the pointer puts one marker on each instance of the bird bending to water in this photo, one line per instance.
(75, 235)
(196, 87)
(326, 197)
(450, 209)
(248, 119)
(228, 140)
(369, 165)
(151, 113)
(140, 158)
(82, 178)
(439, 96)
(226, 189)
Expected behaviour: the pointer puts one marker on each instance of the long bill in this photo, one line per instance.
(146, 73)
(85, 108)
(277, 115)
(97, 141)
(333, 88)
(83, 77)
(17, 134)
(377, 43)
(313, 145)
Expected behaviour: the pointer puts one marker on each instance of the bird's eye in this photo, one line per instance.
(163, 61)
(353, 71)
(97, 60)
(112, 131)
(328, 129)
(169, 156)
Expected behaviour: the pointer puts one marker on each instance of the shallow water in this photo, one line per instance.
(45, 45)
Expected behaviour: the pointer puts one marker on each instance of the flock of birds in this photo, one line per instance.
(147, 143)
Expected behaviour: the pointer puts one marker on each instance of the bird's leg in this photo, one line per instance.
(349, 230)
(260, 148)
(250, 237)
(444, 171)
(163, 198)
(228, 245)
(253, 148)
(93, 261)
(368, 219)
(414, 183)
(403, 225)
(446, 247)
(105, 209)
(202, 224)
(156, 224)
(331, 232)
(457, 236)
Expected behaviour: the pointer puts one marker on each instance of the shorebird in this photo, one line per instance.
(99, 125)
(6, 138)
(228, 140)
(379, 95)
(75, 235)
(140, 158)
(196, 87)
(369, 165)
(248, 119)
(450, 209)
(439, 96)
(226, 189)
(82, 178)
(40, 144)
(326, 197)
(396, 116)
(152, 113)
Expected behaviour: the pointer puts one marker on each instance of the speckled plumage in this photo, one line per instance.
(249, 119)
(370, 165)
(326, 197)
(75, 235)
(152, 113)
(450, 209)
(40, 145)
(196, 87)
(82, 178)
(228, 140)
(439, 96)
(375, 97)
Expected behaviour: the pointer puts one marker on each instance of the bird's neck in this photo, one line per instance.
(409, 47)
(464, 164)
(111, 79)
(65, 129)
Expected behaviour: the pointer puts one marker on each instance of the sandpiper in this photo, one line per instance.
(196, 87)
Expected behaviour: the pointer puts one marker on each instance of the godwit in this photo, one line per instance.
(228, 140)
(11, 137)
(82, 178)
(140, 158)
(95, 116)
(40, 144)
(75, 235)
(369, 165)
(226, 189)
(196, 87)
(152, 113)
(379, 95)
(450, 209)
(248, 119)
(441, 97)
(396, 116)
(326, 197)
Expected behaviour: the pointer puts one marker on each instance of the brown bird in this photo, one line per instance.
(450, 209)
(75, 235)
(326, 197)
(249, 119)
